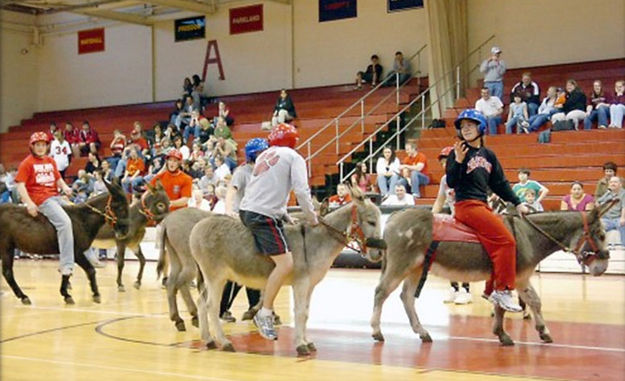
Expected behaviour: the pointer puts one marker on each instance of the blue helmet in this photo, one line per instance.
(474, 115)
(253, 147)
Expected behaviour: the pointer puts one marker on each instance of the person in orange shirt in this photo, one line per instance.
(341, 197)
(176, 183)
(135, 167)
(417, 164)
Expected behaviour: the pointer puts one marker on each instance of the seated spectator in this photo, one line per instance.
(93, 163)
(574, 107)
(531, 202)
(184, 150)
(517, 115)
(98, 184)
(165, 146)
(284, 111)
(545, 111)
(220, 205)
(402, 67)
(609, 170)
(156, 135)
(195, 125)
(371, 75)
(197, 200)
(135, 168)
(387, 169)
(341, 197)
(107, 171)
(209, 178)
(577, 199)
(178, 107)
(12, 185)
(221, 168)
(617, 105)
(187, 87)
(60, 151)
(361, 178)
(197, 168)
(172, 131)
(492, 108)
(88, 141)
(205, 132)
(525, 183)
(598, 109)
(222, 130)
(224, 113)
(137, 138)
(529, 92)
(417, 163)
(404, 178)
(196, 151)
(227, 150)
(82, 186)
(614, 218)
(72, 136)
(118, 144)
(5, 194)
(184, 116)
(400, 197)
(51, 130)
(493, 69)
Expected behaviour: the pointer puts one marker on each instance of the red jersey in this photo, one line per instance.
(177, 185)
(40, 175)
(117, 145)
(418, 158)
(340, 200)
(89, 136)
(72, 137)
(134, 165)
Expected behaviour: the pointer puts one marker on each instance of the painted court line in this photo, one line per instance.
(550, 345)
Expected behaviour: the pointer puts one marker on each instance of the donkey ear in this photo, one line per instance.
(324, 207)
(149, 187)
(159, 185)
(357, 195)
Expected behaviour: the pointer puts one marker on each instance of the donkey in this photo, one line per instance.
(224, 249)
(37, 235)
(409, 235)
(153, 206)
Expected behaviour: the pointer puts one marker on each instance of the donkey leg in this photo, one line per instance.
(83, 262)
(141, 258)
(66, 296)
(172, 291)
(7, 272)
(301, 294)
(188, 301)
(407, 297)
(388, 282)
(121, 252)
(529, 296)
(215, 289)
(202, 304)
(498, 330)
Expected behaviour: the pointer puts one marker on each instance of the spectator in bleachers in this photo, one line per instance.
(387, 169)
(614, 218)
(72, 136)
(529, 91)
(183, 149)
(222, 130)
(598, 109)
(227, 150)
(220, 205)
(197, 168)
(531, 201)
(284, 110)
(205, 132)
(617, 105)
(402, 67)
(341, 197)
(224, 113)
(184, 115)
(517, 115)
(577, 199)
(107, 171)
(371, 75)
(166, 146)
(117, 148)
(89, 141)
(609, 170)
(194, 126)
(12, 184)
(98, 183)
(178, 106)
(51, 130)
(545, 111)
(361, 178)
(154, 140)
(221, 168)
(405, 178)
(417, 163)
(60, 151)
(493, 69)
(93, 163)
(138, 141)
(172, 131)
(209, 178)
(187, 87)
(196, 151)
(82, 186)
(197, 200)
(135, 168)
(400, 197)
(574, 107)
(5, 194)
(492, 108)
(525, 183)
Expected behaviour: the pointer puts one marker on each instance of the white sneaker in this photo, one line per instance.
(451, 297)
(505, 300)
(463, 297)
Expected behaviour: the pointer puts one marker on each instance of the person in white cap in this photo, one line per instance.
(494, 68)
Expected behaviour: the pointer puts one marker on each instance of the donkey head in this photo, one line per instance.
(366, 226)
(117, 208)
(590, 243)
(155, 202)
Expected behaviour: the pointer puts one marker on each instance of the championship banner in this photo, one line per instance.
(190, 28)
(336, 9)
(90, 41)
(246, 19)
(400, 5)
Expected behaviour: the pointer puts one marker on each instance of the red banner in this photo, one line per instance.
(246, 19)
(90, 41)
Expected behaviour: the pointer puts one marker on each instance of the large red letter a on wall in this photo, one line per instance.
(208, 60)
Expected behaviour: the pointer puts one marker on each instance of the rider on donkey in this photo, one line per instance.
(38, 181)
(471, 170)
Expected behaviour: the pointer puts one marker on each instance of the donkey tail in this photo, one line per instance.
(162, 257)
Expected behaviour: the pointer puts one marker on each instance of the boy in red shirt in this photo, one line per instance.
(341, 197)
(37, 182)
(417, 163)
(176, 183)
(89, 141)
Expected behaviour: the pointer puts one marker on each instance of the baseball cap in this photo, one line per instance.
(495, 50)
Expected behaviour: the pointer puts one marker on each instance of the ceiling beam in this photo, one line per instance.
(118, 16)
(192, 6)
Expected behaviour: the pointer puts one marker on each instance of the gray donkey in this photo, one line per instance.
(224, 249)
(409, 234)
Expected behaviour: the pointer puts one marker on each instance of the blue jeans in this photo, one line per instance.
(495, 88)
(387, 184)
(52, 208)
(532, 108)
(418, 179)
(493, 122)
(514, 121)
(614, 224)
(120, 168)
(600, 115)
(538, 120)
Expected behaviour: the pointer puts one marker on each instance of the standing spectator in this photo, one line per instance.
(574, 107)
(284, 111)
(598, 109)
(402, 67)
(525, 183)
(417, 163)
(371, 75)
(531, 202)
(72, 136)
(93, 163)
(577, 199)
(177, 184)
(198, 201)
(614, 218)
(617, 105)
(494, 68)
(89, 141)
(387, 169)
(361, 178)
(545, 111)
(529, 91)
(491, 107)
(517, 116)
(341, 197)
(609, 170)
(400, 197)
(60, 151)
(135, 167)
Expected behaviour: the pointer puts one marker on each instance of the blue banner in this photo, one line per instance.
(189, 28)
(336, 9)
(400, 5)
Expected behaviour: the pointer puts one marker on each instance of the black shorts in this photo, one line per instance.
(268, 232)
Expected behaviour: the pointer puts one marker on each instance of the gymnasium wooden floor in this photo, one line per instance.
(129, 336)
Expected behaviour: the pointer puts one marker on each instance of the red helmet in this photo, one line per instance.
(38, 137)
(284, 135)
(445, 152)
(175, 154)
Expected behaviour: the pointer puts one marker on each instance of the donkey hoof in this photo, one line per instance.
(426, 338)
(97, 299)
(195, 322)
(311, 347)
(180, 326)
(211, 345)
(137, 285)
(506, 341)
(121, 288)
(69, 300)
(228, 347)
(277, 320)
(546, 338)
(302, 350)
(26, 301)
(378, 336)
(249, 314)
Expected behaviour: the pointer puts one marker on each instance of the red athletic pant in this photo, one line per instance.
(496, 239)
